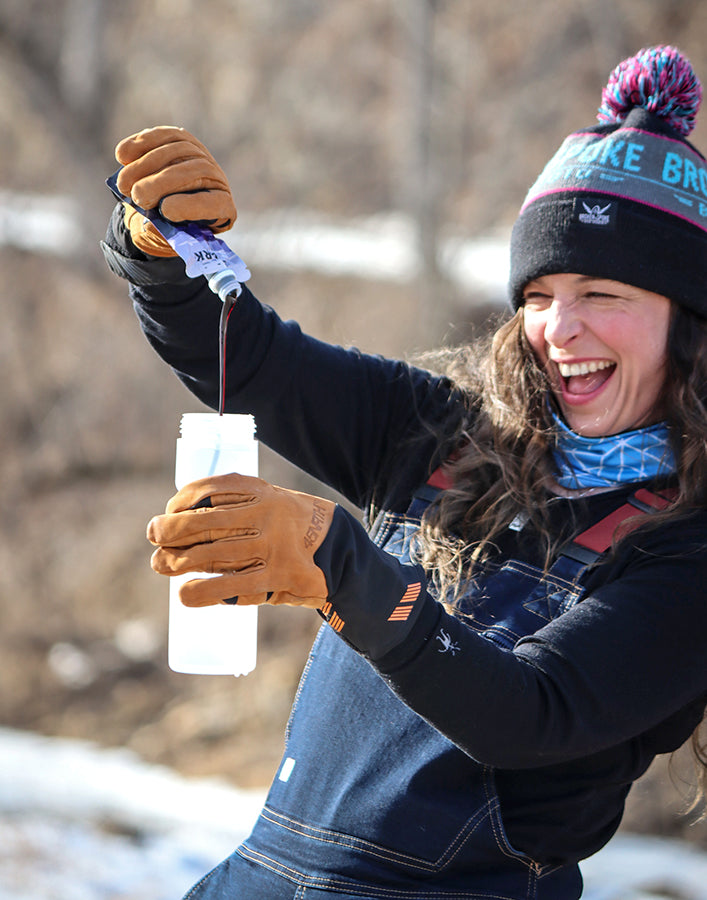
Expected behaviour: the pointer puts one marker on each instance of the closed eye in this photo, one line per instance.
(536, 300)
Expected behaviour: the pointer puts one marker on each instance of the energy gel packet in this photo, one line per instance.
(203, 253)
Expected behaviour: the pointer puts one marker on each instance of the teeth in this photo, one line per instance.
(569, 369)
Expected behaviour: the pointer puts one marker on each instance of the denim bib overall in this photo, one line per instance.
(372, 802)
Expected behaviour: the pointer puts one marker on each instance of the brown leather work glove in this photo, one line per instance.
(271, 545)
(261, 540)
(168, 169)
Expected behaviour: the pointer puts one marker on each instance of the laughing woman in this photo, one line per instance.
(521, 625)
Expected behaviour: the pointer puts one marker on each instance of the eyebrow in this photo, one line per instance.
(582, 279)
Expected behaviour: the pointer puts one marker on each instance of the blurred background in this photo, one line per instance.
(378, 152)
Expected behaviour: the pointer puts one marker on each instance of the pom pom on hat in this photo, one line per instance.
(625, 199)
(659, 80)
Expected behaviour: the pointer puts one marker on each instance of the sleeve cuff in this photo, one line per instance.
(422, 631)
(125, 260)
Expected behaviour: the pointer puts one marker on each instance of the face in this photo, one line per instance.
(603, 345)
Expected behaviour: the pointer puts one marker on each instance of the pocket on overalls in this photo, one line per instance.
(511, 601)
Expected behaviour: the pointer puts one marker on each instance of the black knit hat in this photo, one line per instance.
(626, 199)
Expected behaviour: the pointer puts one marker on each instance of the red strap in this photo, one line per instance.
(599, 537)
(657, 501)
(440, 479)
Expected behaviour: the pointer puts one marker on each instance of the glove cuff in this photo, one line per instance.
(127, 261)
(141, 272)
(374, 601)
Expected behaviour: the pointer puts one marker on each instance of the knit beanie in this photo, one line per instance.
(625, 199)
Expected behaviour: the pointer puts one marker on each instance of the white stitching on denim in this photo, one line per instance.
(202, 881)
(499, 837)
(317, 834)
(300, 686)
(364, 891)
(375, 850)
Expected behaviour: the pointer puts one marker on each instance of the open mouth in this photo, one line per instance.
(583, 378)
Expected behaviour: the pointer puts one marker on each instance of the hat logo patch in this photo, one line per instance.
(595, 215)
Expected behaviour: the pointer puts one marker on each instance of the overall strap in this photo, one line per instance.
(426, 493)
(588, 546)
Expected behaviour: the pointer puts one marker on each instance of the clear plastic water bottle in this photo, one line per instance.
(222, 639)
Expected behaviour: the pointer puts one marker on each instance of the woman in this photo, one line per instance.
(521, 626)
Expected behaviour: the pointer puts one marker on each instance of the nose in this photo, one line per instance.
(562, 323)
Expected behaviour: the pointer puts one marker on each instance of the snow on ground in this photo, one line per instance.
(82, 823)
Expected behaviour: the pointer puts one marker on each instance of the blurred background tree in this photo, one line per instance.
(433, 114)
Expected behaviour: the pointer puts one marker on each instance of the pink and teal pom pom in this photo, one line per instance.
(658, 79)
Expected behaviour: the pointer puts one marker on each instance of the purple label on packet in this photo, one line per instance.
(203, 253)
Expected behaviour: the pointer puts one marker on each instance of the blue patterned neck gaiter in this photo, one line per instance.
(587, 462)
